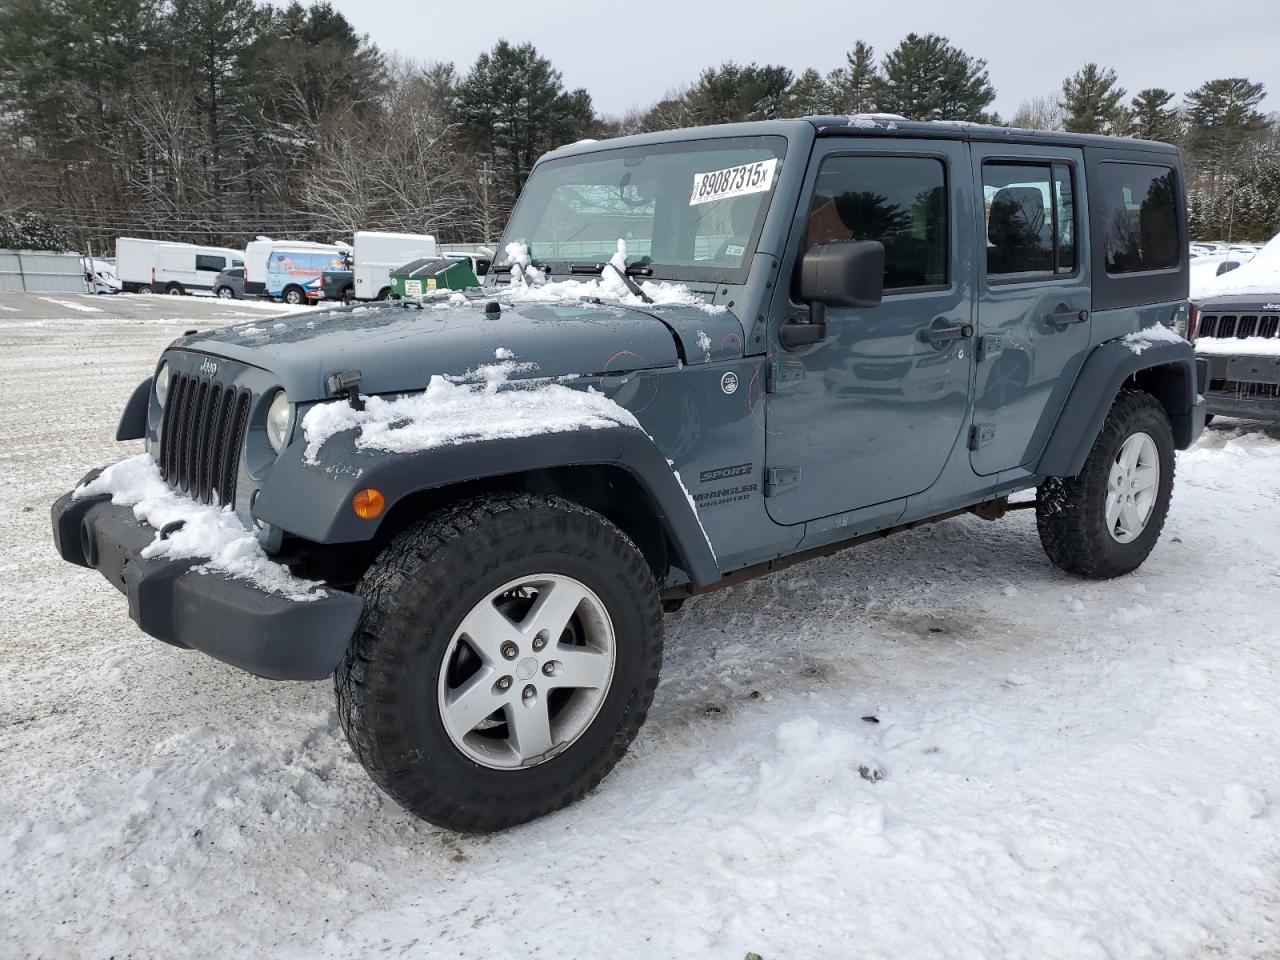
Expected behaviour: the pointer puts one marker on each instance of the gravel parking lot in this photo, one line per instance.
(1070, 769)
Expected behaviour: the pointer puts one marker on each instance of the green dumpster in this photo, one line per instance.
(425, 275)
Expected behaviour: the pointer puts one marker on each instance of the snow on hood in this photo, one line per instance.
(486, 404)
(212, 533)
(1259, 275)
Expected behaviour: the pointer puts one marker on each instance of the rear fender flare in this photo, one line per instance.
(1164, 368)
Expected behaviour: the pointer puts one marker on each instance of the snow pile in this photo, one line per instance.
(1259, 275)
(208, 531)
(528, 285)
(483, 405)
(1249, 346)
(1149, 336)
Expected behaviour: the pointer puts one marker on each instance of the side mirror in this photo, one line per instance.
(841, 273)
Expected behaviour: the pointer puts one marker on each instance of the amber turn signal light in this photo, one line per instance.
(368, 503)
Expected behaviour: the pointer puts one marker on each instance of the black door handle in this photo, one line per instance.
(1064, 316)
(940, 333)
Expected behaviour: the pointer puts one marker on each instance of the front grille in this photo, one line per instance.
(201, 436)
(1223, 326)
(1245, 390)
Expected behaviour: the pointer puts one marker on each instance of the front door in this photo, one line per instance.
(872, 412)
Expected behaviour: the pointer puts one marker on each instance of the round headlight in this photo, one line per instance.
(162, 384)
(278, 416)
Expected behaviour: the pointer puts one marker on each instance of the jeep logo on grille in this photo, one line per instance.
(208, 367)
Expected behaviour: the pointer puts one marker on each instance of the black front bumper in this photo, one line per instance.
(1243, 386)
(266, 634)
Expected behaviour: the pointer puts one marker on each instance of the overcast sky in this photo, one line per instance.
(630, 53)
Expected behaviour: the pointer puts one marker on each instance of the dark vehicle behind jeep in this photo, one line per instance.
(1237, 342)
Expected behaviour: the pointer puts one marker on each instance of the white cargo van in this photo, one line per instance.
(377, 254)
(135, 261)
(184, 267)
(282, 269)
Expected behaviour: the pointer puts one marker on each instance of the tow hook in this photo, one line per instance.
(170, 528)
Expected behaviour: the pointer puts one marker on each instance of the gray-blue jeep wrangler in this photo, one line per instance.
(703, 355)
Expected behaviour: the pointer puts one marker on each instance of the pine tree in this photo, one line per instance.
(1092, 100)
(1153, 118)
(1222, 117)
(854, 84)
(809, 96)
(926, 78)
(731, 93)
(514, 107)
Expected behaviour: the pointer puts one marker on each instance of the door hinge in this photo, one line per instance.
(989, 344)
(780, 479)
(782, 374)
(981, 434)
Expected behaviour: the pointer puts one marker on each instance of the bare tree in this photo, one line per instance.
(1039, 113)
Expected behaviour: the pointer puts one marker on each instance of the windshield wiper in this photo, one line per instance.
(506, 267)
(632, 287)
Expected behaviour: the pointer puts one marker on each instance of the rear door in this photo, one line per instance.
(1033, 297)
(872, 412)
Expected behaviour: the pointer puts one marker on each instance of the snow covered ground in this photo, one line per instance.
(1066, 769)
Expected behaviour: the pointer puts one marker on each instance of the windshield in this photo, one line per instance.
(687, 210)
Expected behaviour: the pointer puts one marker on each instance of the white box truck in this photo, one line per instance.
(185, 267)
(272, 268)
(135, 260)
(377, 254)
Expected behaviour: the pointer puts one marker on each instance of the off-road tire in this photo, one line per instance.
(417, 592)
(1070, 511)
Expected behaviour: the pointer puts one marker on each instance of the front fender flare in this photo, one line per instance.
(1105, 371)
(133, 422)
(314, 501)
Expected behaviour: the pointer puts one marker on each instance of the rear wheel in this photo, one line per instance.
(174, 290)
(1105, 521)
(145, 288)
(507, 656)
(225, 293)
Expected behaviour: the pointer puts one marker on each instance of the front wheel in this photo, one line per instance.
(507, 656)
(294, 295)
(1104, 522)
(225, 293)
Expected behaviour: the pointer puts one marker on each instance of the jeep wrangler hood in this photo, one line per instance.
(398, 347)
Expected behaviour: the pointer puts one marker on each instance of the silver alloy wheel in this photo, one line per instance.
(1132, 487)
(527, 671)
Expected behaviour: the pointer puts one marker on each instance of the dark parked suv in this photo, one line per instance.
(229, 284)
(473, 509)
(1238, 339)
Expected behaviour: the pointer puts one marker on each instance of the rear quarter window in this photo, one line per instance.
(1139, 207)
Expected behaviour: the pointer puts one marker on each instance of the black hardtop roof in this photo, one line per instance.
(875, 125)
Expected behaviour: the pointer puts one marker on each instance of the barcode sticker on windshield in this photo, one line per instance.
(733, 181)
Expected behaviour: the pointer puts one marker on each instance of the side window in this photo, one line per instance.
(206, 262)
(1065, 205)
(900, 201)
(1030, 214)
(1139, 217)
